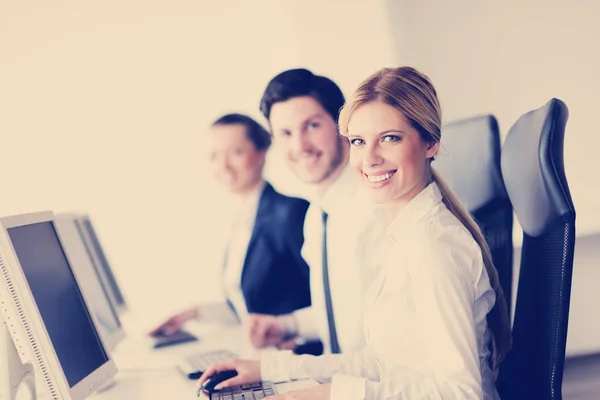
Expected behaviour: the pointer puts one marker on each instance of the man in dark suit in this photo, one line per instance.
(263, 270)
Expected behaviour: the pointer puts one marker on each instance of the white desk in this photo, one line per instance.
(145, 373)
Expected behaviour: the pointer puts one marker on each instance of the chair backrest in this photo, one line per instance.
(469, 162)
(533, 171)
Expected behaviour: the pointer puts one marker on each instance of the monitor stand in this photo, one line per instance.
(13, 372)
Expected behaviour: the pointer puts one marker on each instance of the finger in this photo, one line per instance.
(255, 334)
(235, 381)
(175, 326)
(252, 324)
(170, 329)
(261, 335)
(252, 318)
(205, 375)
(224, 366)
(213, 370)
(271, 336)
(158, 329)
(288, 345)
(249, 329)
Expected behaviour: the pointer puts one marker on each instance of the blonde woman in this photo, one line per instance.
(436, 322)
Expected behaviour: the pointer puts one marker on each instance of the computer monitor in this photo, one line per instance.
(48, 329)
(95, 290)
(106, 274)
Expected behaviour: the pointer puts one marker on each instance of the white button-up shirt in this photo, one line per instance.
(425, 317)
(240, 232)
(346, 274)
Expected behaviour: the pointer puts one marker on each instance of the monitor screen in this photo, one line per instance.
(56, 293)
(114, 286)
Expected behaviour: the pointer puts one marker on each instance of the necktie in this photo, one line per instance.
(335, 347)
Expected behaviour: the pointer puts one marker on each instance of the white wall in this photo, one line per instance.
(507, 58)
(510, 57)
(104, 107)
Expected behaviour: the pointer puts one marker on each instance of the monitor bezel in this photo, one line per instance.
(38, 333)
(121, 308)
(111, 339)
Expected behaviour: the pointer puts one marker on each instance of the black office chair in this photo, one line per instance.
(533, 170)
(469, 162)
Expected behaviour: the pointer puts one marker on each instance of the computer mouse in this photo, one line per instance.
(215, 379)
(175, 338)
(163, 332)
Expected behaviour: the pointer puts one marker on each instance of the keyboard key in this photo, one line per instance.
(254, 391)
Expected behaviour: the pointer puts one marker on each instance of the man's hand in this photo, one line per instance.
(291, 344)
(266, 330)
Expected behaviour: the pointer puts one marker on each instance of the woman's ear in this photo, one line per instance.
(432, 149)
(262, 158)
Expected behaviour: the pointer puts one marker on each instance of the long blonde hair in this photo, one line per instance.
(412, 93)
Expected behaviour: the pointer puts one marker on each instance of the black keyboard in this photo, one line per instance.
(254, 391)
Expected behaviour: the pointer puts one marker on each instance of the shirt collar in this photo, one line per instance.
(414, 211)
(247, 206)
(339, 193)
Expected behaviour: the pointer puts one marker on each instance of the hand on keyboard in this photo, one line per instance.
(247, 372)
(195, 364)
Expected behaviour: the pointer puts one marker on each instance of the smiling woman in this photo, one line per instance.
(399, 114)
(239, 146)
(389, 153)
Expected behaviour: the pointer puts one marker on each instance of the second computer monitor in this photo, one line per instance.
(106, 274)
(87, 273)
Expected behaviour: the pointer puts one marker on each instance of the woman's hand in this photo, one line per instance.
(175, 323)
(248, 372)
(320, 392)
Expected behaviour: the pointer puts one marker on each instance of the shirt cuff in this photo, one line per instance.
(305, 324)
(345, 387)
(275, 366)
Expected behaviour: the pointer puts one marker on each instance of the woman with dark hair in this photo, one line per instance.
(263, 270)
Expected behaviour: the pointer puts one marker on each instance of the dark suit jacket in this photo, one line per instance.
(275, 277)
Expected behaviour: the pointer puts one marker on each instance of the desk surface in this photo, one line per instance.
(145, 373)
